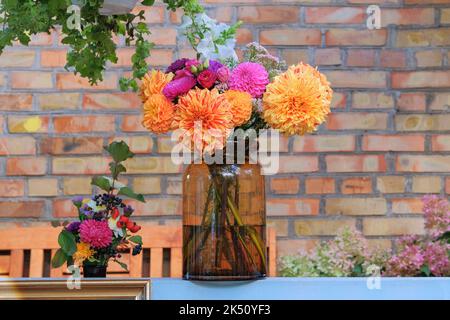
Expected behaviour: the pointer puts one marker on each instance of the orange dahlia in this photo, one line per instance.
(297, 101)
(241, 106)
(208, 112)
(158, 114)
(154, 83)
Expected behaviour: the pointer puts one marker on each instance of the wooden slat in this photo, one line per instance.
(4, 264)
(136, 266)
(37, 263)
(272, 235)
(29, 238)
(16, 264)
(156, 262)
(176, 262)
(58, 272)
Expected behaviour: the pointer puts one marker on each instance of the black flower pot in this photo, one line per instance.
(93, 271)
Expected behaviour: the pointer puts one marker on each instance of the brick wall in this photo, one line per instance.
(386, 144)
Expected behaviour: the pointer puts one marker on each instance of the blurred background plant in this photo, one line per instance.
(348, 255)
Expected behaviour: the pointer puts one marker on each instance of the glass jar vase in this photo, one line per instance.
(224, 222)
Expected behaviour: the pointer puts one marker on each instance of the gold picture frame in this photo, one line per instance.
(84, 289)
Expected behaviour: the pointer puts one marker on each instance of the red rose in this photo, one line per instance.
(207, 78)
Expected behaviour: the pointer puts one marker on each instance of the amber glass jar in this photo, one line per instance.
(224, 222)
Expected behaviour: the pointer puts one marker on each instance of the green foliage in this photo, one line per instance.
(136, 239)
(119, 152)
(347, 255)
(66, 241)
(59, 258)
(92, 46)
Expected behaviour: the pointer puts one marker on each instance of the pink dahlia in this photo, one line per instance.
(96, 233)
(180, 85)
(249, 77)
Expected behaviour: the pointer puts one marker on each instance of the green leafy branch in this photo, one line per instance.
(120, 152)
(91, 45)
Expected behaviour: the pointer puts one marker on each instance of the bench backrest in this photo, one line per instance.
(26, 252)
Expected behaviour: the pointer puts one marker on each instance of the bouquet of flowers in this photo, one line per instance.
(104, 228)
(217, 94)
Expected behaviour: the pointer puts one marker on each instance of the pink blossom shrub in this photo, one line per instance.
(426, 255)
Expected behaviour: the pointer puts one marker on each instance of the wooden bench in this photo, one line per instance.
(27, 252)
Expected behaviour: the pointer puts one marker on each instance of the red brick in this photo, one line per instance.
(16, 102)
(320, 185)
(69, 81)
(132, 123)
(361, 58)
(407, 16)
(393, 143)
(357, 79)
(392, 59)
(137, 144)
(355, 163)
(53, 58)
(423, 38)
(163, 36)
(31, 80)
(292, 207)
(357, 121)
(372, 100)
(11, 188)
(289, 185)
(353, 37)
(71, 145)
(73, 124)
(244, 36)
(324, 143)
(298, 164)
(80, 165)
(160, 57)
(423, 163)
(26, 166)
(157, 207)
(28, 124)
(359, 185)
(290, 37)
(412, 102)
(268, 14)
(98, 101)
(407, 205)
(22, 209)
(64, 208)
(17, 59)
(17, 146)
(344, 15)
(328, 56)
(440, 142)
(421, 79)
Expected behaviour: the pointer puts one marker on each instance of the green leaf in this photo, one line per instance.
(119, 151)
(67, 242)
(123, 265)
(116, 169)
(101, 182)
(148, 2)
(425, 270)
(59, 258)
(126, 191)
(136, 239)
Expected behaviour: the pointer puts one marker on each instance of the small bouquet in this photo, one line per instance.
(105, 228)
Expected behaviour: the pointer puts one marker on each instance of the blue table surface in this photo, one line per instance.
(303, 288)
